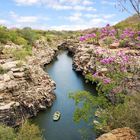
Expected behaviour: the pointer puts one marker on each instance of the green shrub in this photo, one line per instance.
(7, 133)
(108, 41)
(22, 53)
(123, 43)
(4, 34)
(29, 35)
(124, 113)
(26, 132)
(20, 41)
(29, 132)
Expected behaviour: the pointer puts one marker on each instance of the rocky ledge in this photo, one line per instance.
(119, 134)
(25, 88)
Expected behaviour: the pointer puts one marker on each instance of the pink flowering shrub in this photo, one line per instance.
(89, 38)
(126, 38)
(110, 82)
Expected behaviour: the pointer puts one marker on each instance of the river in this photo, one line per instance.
(67, 80)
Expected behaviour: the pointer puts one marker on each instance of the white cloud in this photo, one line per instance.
(76, 17)
(108, 2)
(81, 20)
(27, 19)
(3, 21)
(80, 5)
(68, 27)
(87, 2)
(108, 16)
(88, 15)
(26, 2)
(23, 19)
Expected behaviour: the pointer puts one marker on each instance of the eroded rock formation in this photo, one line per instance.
(25, 88)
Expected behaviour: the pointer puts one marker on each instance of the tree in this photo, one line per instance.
(125, 5)
(29, 132)
(26, 132)
(28, 34)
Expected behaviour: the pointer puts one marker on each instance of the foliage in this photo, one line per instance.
(103, 115)
(126, 38)
(26, 132)
(4, 34)
(7, 133)
(89, 105)
(20, 41)
(29, 132)
(131, 22)
(22, 53)
(29, 34)
(111, 82)
(108, 41)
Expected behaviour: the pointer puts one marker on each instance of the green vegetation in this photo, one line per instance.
(26, 132)
(29, 35)
(105, 116)
(7, 133)
(22, 53)
(18, 36)
(131, 22)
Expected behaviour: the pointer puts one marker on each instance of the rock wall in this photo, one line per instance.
(25, 88)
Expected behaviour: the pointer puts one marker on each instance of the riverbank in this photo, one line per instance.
(67, 81)
(87, 56)
(25, 88)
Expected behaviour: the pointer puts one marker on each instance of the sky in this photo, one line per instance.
(59, 14)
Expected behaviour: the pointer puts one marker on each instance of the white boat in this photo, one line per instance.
(56, 116)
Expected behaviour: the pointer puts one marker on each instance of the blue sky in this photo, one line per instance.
(59, 14)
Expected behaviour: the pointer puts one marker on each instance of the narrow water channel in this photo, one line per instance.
(67, 80)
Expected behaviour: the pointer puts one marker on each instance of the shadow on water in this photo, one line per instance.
(67, 80)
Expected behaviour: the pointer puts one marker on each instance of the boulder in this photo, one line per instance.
(6, 77)
(9, 65)
(114, 45)
(2, 86)
(18, 74)
(119, 134)
(108, 136)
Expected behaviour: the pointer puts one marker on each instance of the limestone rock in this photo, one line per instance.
(114, 45)
(108, 136)
(6, 77)
(26, 89)
(9, 65)
(2, 86)
(18, 74)
(119, 134)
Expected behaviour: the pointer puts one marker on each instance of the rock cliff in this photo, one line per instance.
(25, 88)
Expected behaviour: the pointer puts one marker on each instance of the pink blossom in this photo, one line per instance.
(95, 74)
(106, 81)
